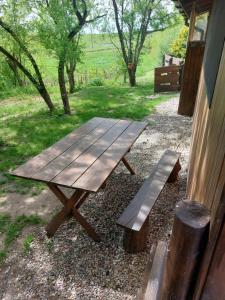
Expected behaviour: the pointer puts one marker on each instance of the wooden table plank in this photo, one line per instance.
(56, 166)
(39, 161)
(69, 175)
(96, 175)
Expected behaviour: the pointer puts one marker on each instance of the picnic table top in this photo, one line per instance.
(86, 157)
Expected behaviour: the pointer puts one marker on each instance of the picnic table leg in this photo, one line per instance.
(60, 217)
(128, 166)
(90, 231)
(59, 194)
(81, 200)
(71, 207)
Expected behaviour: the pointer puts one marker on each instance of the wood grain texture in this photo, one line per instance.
(61, 217)
(191, 76)
(42, 159)
(136, 241)
(94, 149)
(215, 284)
(145, 278)
(100, 170)
(186, 248)
(155, 281)
(61, 162)
(75, 170)
(206, 177)
(136, 213)
(167, 79)
(215, 231)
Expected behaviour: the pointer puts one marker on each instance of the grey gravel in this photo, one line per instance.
(71, 265)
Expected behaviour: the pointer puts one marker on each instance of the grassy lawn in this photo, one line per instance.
(28, 128)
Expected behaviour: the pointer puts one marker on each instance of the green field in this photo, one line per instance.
(27, 127)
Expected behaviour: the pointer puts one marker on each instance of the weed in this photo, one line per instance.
(3, 255)
(27, 243)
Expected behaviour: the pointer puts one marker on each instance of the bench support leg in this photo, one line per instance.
(136, 241)
(174, 174)
(128, 166)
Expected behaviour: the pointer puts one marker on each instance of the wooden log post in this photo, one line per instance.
(187, 244)
(136, 241)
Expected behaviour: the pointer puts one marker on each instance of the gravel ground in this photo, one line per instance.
(71, 265)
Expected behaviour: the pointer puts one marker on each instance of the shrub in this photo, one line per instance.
(178, 47)
(97, 82)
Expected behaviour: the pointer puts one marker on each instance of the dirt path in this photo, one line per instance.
(71, 265)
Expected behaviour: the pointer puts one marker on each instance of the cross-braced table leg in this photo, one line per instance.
(71, 206)
(128, 166)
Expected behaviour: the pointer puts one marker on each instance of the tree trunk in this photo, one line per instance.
(39, 85)
(45, 95)
(62, 85)
(132, 77)
(14, 68)
(70, 69)
(125, 77)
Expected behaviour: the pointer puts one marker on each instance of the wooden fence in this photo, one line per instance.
(167, 79)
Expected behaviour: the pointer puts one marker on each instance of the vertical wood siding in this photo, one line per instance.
(207, 160)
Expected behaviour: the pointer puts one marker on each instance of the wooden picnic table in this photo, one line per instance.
(83, 160)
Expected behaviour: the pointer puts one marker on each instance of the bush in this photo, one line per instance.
(178, 47)
(97, 82)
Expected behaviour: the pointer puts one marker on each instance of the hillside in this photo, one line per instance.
(100, 61)
(99, 55)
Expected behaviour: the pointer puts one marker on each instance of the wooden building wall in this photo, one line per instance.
(206, 177)
(191, 75)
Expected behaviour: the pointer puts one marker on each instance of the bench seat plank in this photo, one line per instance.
(138, 210)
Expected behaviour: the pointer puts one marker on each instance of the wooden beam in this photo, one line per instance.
(145, 278)
(192, 22)
(157, 271)
(128, 166)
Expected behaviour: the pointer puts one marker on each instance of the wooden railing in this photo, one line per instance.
(167, 79)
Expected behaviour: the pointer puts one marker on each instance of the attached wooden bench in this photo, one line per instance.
(135, 217)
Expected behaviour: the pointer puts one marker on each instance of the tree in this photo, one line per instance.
(134, 19)
(62, 22)
(179, 46)
(14, 34)
(73, 57)
(14, 16)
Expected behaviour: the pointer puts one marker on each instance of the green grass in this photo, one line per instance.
(27, 243)
(12, 229)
